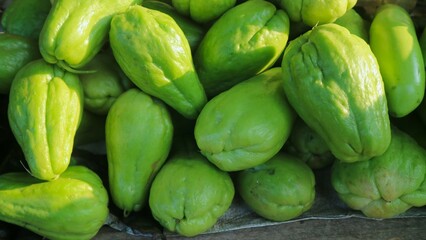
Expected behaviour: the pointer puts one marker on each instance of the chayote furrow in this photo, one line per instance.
(154, 53)
(75, 30)
(332, 80)
(44, 111)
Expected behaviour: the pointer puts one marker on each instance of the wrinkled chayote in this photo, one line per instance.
(44, 111)
(154, 53)
(332, 80)
(386, 185)
(247, 124)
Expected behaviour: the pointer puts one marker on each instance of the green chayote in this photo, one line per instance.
(313, 12)
(154, 53)
(72, 207)
(203, 11)
(386, 185)
(280, 189)
(332, 80)
(16, 52)
(138, 134)
(189, 194)
(75, 30)
(44, 111)
(247, 124)
(243, 42)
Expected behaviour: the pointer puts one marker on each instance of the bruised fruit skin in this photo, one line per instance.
(235, 129)
(332, 80)
(154, 53)
(387, 185)
(44, 111)
(138, 134)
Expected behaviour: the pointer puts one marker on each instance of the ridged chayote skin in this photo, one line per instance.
(189, 194)
(386, 185)
(332, 80)
(154, 53)
(138, 134)
(247, 124)
(44, 111)
(313, 12)
(243, 42)
(75, 30)
(72, 207)
(280, 189)
(203, 11)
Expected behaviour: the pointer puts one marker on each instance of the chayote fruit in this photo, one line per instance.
(355, 23)
(189, 194)
(247, 124)
(332, 80)
(313, 12)
(203, 11)
(243, 42)
(280, 189)
(25, 17)
(386, 185)
(101, 87)
(154, 53)
(138, 134)
(193, 31)
(72, 207)
(76, 30)
(16, 52)
(307, 145)
(44, 111)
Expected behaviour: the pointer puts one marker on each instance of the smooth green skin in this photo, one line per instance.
(44, 111)
(307, 145)
(354, 22)
(203, 11)
(189, 194)
(75, 30)
(154, 53)
(16, 52)
(235, 130)
(138, 137)
(332, 80)
(243, 42)
(102, 87)
(394, 42)
(280, 189)
(387, 185)
(73, 207)
(313, 12)
(25, 17)
(193, 31)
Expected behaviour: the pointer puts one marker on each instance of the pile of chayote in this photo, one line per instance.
(173, 109)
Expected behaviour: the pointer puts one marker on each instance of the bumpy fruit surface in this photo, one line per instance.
(386, 185)
(154, 53)
(332, 80)
(72, 207)
(44, 111)
(189, 194)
